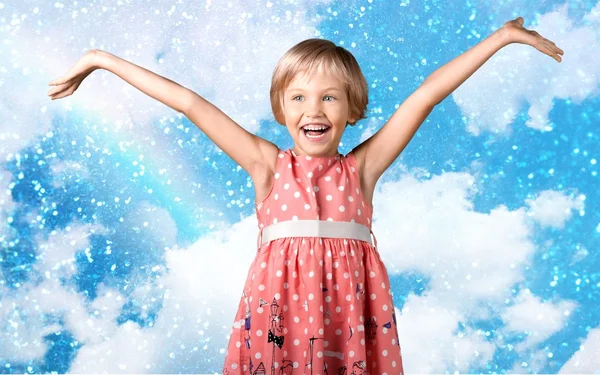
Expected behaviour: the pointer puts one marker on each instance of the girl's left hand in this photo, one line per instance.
(518, 34)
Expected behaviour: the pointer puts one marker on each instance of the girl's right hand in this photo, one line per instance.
(68, 83)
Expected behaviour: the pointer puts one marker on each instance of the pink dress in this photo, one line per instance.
(314, 305)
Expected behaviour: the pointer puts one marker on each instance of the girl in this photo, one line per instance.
(317, 297)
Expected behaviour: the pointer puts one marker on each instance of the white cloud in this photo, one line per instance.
(587, 359)
(430, 343)
(473, 261)
(552, 208)
(539, 320)
(32, 311)
(199, 297)
(493, 96)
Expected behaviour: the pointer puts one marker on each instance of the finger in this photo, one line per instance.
(58, 81)
(553, 47)
(553, 54)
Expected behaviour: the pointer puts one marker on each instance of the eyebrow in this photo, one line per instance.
(327, 89)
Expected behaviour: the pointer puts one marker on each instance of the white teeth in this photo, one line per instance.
(315, 127)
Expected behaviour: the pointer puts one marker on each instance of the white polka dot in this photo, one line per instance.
(320, 331)
(373, 296)
(327, 178)
(329, 197)
(286, 186)
(277, 175)
(316, 188)
(238, 344)
(359, 212)
(311, 274)
(297, 194)
(356, 273)
(338, 331)
(263, 264)
(296, 319)
(372, 273)
(277, 296)
(338, 170)
(311, 296)
(350, 198)
(276, 196)
(258, 332)
(346, 275)
(384, 307)
(384, 352)
(342, 209)
(289, 165)
(393, 363)
(286, 285)
(351, 354)
(320, 354)
(341, 188)
(296, 297)
(296, 342)
(278, 273)
(261, 287)
(234, 366)
(348, 297)
(329, 276)
(306, 206)
(284, 207)
(327, 299)
(336, 264)
(257, 355)
(309, 174)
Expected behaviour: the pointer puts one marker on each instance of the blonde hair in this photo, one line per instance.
(311, 54)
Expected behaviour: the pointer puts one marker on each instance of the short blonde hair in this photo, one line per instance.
(311, 54)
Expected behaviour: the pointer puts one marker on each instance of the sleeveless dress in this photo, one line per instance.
(314, 305)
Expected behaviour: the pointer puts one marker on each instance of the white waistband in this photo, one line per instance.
(315, 228)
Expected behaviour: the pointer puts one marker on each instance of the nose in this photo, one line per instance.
(313, 108)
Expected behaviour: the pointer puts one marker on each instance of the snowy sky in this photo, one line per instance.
(125, 230)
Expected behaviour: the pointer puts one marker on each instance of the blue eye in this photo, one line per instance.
(297, 96)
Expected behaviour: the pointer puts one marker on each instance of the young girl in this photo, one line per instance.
(317, 297)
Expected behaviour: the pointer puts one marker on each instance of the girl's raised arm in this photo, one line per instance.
(245, 148)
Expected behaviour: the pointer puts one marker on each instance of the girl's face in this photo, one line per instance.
(321, 99)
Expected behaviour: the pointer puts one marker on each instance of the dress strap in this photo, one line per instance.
(314, 228)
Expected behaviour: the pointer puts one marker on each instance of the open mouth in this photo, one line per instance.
(316, 133)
